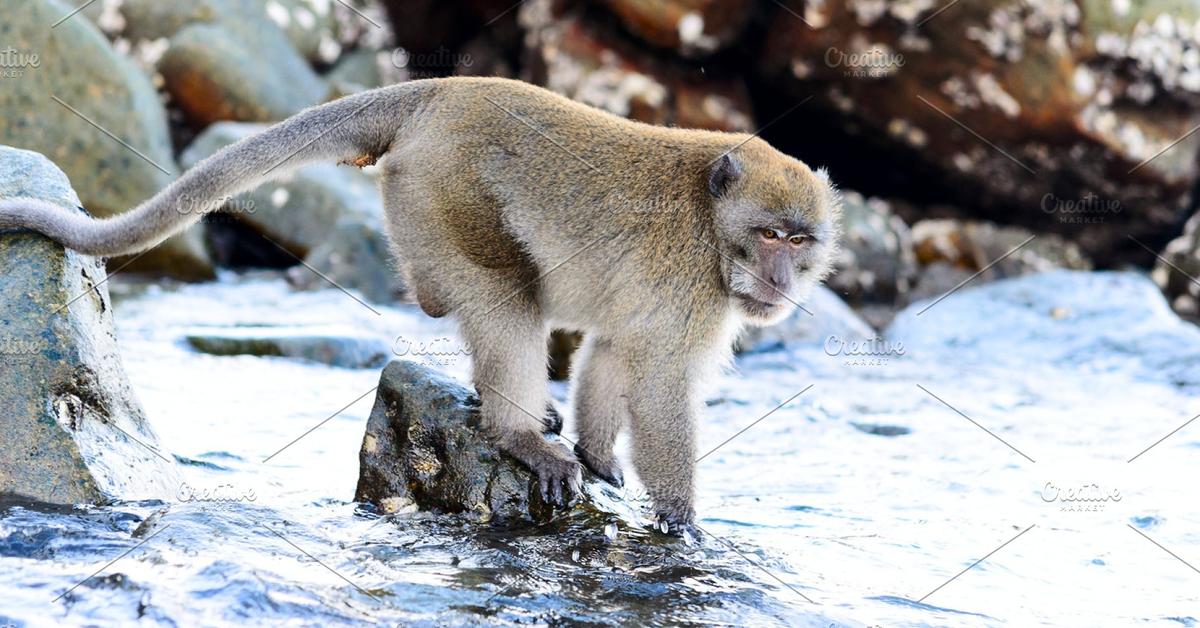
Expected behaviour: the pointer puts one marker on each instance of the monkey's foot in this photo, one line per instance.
(553, 420)
(560, 476)
(608, 470)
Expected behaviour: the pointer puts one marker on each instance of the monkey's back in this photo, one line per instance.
(579, 203)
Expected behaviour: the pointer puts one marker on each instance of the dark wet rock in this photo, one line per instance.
(227, 59)
(690, 27)
(423, 449)
(1101, 321)
(72, 430)
(950, 251)
(72, 66)
(875, 261)
(1073, 101)
(827, 316)
(1177, 272)
(876, 429)
(589, 63)
(355, 257)
(332, 349)
(300, 210)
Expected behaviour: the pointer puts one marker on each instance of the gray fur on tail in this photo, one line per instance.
(362, 125)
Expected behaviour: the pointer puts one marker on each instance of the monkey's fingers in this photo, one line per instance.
(608, 471)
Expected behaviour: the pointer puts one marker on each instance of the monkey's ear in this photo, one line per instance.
(725, 171)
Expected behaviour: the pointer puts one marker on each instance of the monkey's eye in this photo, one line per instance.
(769, 234)
(798, 239)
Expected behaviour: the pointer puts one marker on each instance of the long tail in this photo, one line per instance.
(350, 129)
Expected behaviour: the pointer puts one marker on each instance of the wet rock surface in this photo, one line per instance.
(72, 429)
(424, 449)
(332, 349)
(68, 81)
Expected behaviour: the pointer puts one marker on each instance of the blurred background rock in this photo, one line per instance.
(958, 131)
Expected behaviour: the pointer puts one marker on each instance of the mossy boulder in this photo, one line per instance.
(231, 59)
(94, 114)
(72, 430)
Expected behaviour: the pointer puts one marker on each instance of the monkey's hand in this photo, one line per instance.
(560, 476)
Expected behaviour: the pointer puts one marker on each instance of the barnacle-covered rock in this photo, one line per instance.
(691, 27)
(1022, 110)
(587, 62)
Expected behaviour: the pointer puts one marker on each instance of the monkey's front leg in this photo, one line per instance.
(664, 445)
(509, 353)
(601, 406)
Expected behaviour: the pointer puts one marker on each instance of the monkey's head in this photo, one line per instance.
(777, 223)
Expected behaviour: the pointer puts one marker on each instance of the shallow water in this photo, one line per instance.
(856, 503)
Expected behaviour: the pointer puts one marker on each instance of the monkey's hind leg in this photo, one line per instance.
(508, 342)
(601, 408)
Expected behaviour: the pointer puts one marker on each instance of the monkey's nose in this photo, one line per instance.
(779, 281)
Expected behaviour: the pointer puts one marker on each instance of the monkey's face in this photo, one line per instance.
(777, 222)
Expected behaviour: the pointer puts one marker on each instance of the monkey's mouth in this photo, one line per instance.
(755, 305)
